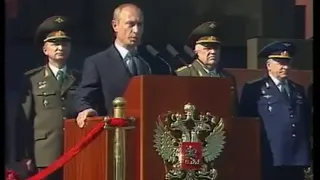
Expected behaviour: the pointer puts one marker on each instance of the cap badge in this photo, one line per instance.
(284, 53)
(59, 20)
(286, 44)
(212, 25)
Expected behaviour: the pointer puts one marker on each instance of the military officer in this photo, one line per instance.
(310, 99)
(284, 111)
(310, 94)
(206, 44)
(309, 171)
(48, 95)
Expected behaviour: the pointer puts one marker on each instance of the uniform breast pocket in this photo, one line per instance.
(48, 99)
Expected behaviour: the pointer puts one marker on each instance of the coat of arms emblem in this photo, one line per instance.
(189, 143)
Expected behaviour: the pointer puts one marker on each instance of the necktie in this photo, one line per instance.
(60, 77)
(131, 64)
(214, 73)
(284, 91)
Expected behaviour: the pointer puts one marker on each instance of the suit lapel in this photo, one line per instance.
(117, 70)
(67, 82)
(143, 67)
(116, 60)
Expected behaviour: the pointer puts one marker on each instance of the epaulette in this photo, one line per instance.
(33, 71)
(183, 67)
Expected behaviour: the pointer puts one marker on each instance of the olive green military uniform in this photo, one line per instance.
(207, 34)
(46, 106)
(196, 69)
(47, 100)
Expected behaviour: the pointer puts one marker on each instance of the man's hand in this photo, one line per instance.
(82, 116)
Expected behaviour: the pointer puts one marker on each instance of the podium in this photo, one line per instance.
(150, 96)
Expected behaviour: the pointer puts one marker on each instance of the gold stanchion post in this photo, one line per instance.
(119, 137)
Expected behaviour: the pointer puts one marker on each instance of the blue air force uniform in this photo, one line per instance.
(285, 115)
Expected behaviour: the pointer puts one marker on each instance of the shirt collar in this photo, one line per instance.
(214, 70)
(55, 70)
(277, 82)
(123, 51)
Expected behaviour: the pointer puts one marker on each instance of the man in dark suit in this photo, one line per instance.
(206, 42)
(47, 93)
(106, 74)
(284, 111)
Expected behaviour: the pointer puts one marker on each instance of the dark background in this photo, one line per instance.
(166, 21)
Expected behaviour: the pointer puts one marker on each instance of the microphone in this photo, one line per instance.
(175, 54)
(189, 51)
(156, 53)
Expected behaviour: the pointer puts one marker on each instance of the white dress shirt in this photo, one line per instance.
(55, 70)
(279, 84)
(123, 51)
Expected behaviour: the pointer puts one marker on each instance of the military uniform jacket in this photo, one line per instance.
(196, 69)
(45, 104)
(310, 98)
(284, 127)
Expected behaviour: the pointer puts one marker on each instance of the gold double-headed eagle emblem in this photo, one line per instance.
(189, 143)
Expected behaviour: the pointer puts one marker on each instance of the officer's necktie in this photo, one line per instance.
(60, 77)
(129, 59)
(284, 91)
(214, 73)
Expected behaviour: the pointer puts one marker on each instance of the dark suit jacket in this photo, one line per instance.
(105, 77)
(196, 69)
(284, 125)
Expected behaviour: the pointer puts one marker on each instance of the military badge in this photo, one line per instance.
(267, 96)
(42, 84)
(189, 143)
(287, 44)
(59, 20)
(267, 85)
(299, 96)
(212, 25)
(45, 102)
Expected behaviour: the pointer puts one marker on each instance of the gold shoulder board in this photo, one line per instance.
(32, 71)
(183, 67)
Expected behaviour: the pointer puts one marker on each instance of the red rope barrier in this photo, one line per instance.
(71, 153)
(10, 175)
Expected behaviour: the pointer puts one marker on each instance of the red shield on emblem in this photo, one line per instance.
(190, 155)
